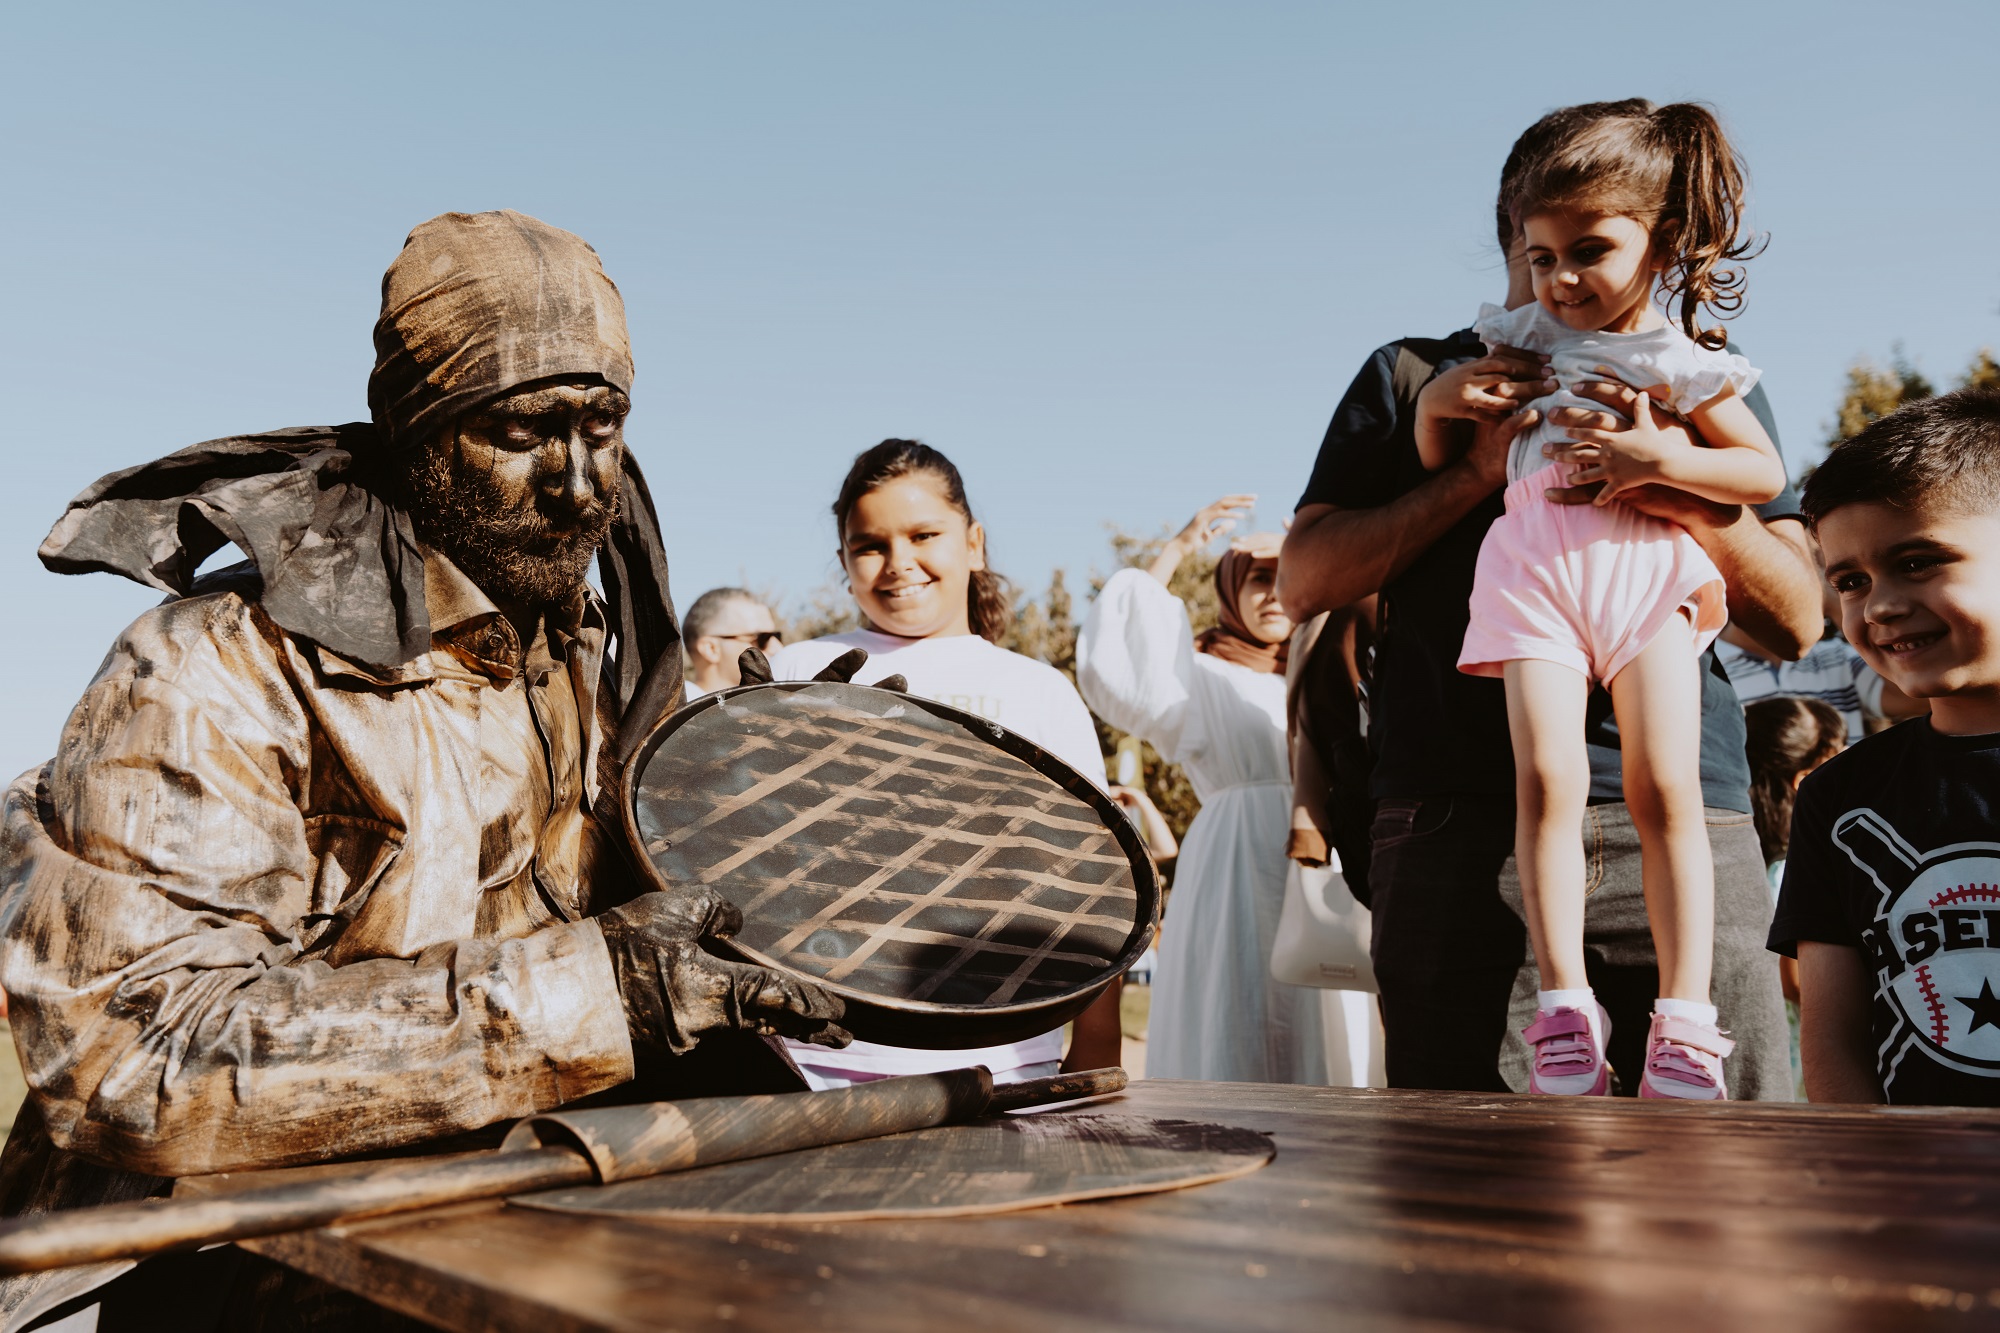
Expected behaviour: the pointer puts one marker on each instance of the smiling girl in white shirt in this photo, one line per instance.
(915, 561)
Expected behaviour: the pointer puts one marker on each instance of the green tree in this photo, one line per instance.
(1984, 372)
(828, 609)
(1045, 628)
(1874, 391)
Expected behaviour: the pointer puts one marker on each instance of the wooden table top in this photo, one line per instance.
(1381, 1210)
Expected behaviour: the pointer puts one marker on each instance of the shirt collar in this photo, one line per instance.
(465, 622)
(451, 598)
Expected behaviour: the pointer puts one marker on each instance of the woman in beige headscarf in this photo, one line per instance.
(1215, 704)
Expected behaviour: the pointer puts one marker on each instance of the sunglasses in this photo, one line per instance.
(760, 640)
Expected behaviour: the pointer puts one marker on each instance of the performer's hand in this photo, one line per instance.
(674, 990)
(842, 668)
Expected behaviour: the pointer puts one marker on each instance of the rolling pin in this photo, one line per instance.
(561, 1148)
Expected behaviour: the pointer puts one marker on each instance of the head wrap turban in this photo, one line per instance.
(479, 303)
(476, 305)
(1232, 640)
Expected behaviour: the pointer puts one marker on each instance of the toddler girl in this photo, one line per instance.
(916, 566)
(1626, 204)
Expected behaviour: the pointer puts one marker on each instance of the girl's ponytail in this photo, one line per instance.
(989, 600)
(1704, 206)
(989, 605)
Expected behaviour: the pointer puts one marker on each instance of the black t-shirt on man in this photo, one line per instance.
(1435, 730)
(1895, 851)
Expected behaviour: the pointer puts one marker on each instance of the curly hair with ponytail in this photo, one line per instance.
(989, 597)
(1670, 168)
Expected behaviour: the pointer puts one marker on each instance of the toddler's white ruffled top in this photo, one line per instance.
(1666, 356)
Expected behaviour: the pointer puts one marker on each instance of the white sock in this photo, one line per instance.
(1694, 1011)
(1577, 997)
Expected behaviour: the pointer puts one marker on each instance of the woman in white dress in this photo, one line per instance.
(1216, 706)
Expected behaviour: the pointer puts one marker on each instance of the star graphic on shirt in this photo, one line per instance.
(1985, 1007)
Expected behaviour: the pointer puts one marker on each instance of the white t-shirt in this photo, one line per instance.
(1027, 697)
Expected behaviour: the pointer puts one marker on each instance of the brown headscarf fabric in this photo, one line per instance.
(1232, 640)
(476, 305)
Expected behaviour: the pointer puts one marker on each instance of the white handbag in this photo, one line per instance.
(1323, 933)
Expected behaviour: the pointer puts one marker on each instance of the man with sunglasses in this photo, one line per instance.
(719, 626)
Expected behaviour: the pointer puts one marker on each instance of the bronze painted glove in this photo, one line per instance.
(674, 990)
(756, 670)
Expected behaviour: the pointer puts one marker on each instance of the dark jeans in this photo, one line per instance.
(1458, 980)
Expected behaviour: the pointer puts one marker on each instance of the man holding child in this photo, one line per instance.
(1449, 940)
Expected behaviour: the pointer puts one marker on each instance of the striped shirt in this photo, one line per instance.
(1831, 672)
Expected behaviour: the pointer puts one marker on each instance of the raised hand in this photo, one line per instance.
(1209, 522)
(1212, 521)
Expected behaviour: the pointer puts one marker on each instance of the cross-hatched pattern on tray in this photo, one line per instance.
(896, 855)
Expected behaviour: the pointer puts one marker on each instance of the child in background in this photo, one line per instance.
(915, 561)
(1623, 206)
(1893, 875)
(1787, 737)
(1831, 672)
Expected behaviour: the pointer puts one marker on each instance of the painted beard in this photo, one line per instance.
(514, 552)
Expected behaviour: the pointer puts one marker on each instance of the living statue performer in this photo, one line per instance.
(323, 865)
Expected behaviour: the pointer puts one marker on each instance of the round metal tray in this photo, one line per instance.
(954, 883)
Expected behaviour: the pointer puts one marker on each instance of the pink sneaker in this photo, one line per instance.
(1684, 1061)
(1568, 1060)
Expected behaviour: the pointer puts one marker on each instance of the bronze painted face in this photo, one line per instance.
(520, 491)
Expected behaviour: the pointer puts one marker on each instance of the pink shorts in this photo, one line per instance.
(1583, 585)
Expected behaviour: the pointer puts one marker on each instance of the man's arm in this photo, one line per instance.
(1774, 583)
(1773, 580)
(156, 891)
(1333, 556)
(1835, 1044)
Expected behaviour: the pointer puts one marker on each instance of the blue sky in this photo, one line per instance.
(1115, 259)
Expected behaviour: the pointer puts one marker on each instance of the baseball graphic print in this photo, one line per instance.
(1935, 940)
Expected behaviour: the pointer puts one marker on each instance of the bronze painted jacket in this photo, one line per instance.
(268, 906)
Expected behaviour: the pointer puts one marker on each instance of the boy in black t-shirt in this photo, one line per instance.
(1892, 891)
